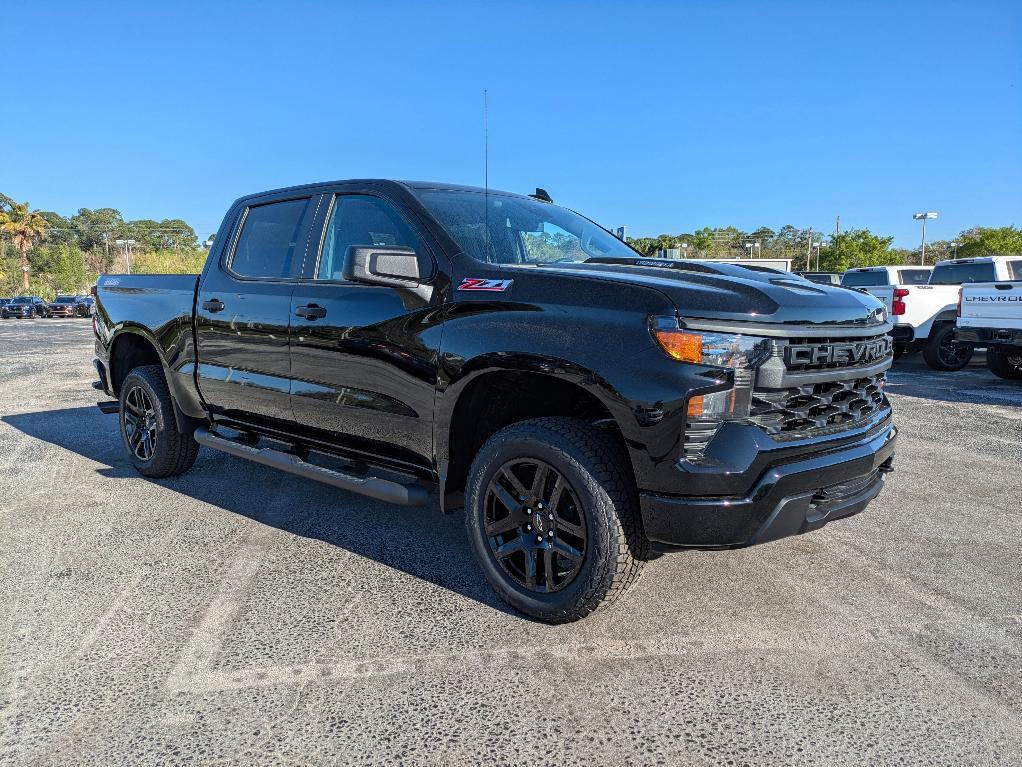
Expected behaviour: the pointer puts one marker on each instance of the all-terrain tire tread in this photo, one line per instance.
(604, 461)
(179, 450)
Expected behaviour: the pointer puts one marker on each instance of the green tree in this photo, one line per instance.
(24, 227)
(990, 241)
(97, 229)
(857, 247)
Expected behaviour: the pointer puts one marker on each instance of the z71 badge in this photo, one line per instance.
(492, 286)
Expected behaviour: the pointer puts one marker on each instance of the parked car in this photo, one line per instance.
(69, 306)
(25, 306)
(402, 339)
(923, 303)
(824, 278)
(990, 316)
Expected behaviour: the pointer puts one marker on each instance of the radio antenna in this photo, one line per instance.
(486, 170)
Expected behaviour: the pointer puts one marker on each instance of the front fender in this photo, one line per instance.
(611, 355)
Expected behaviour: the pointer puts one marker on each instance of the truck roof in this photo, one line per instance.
(977, 260)
(385, 182)
(886, 267)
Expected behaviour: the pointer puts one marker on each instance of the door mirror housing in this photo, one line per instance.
(394, 266)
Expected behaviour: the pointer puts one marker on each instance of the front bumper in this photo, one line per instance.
(14, 313)
(792, 496)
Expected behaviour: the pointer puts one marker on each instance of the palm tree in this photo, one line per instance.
(24, 227)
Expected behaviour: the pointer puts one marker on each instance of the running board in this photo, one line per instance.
(374, 487)
(110, 407)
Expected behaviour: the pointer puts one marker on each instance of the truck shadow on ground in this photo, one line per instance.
(420, 542)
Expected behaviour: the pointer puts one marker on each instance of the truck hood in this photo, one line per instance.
(744, 295)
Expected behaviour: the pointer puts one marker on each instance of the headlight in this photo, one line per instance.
(724, 350)
(731, 351)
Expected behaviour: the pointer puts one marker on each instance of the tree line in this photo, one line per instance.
(810, 249)
(44, 253)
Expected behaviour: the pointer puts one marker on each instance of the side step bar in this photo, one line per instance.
(374, 487)
(109, 407)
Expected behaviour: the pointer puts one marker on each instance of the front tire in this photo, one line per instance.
(552, 516)
(1005, 366)
(148, 428)
(942, 352)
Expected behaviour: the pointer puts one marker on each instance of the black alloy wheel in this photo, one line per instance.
(534, 525)
(149, 429)
(552, 515)
(140, 423)
(953, 354)
(943, 352)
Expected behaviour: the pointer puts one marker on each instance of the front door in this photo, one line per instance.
(364, 357)
(244, 309)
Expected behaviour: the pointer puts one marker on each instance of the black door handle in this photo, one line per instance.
(311, 312)
(213, 306)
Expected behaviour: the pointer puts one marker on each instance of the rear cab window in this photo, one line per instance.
(865, 279)
(1015, 269)
(913, 276)
(960, 273)
(269, 245)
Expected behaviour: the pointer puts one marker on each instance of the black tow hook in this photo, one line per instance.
(887, 466)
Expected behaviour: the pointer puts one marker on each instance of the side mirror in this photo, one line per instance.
(381, 265)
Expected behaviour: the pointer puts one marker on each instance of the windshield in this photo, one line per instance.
(516, 230)
(22, 300)
(956, 274)
(864, 279)
(65, 300)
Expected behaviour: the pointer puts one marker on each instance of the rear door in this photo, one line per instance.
(364, 357)
(244, 307)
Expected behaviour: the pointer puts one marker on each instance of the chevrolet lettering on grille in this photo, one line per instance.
(848, 353)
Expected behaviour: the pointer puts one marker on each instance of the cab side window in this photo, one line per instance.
(359, 219)
(268, 245)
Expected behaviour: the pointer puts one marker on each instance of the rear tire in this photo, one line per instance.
(1005, 366)
(577, 522)
(942, 352)
(148, 428)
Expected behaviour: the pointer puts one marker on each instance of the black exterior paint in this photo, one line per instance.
(380, 375)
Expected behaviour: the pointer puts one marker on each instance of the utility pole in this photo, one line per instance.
(837, 226)
(809, 251)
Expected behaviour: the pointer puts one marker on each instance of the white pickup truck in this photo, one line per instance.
(990, 315)
(924, 310)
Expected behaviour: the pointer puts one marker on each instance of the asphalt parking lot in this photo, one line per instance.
(239, 615)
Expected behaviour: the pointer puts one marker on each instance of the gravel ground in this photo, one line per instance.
(239, 615)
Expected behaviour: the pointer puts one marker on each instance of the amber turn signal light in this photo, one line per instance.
(684, 347)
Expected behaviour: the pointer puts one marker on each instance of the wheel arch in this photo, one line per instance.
(494, 395)
(133, 347)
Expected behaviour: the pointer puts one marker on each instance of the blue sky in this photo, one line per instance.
(661, 116)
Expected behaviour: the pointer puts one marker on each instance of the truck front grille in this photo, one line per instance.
(816, 409)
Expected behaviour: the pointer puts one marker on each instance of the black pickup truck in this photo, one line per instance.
(584, 405)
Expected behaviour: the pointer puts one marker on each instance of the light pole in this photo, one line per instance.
(749, 246)
(817, 246)
(954, 249)
(923, 217)
(684, 250)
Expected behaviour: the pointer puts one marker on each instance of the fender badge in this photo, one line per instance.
(478, 283)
